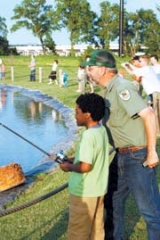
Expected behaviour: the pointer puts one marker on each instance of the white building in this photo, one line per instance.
(62, 50)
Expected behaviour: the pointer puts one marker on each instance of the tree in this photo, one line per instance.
(150, 37)
(4, 45)
(108, 23)
(142, 29)
(37, 17)
(3, 28)
(131, 34)
(77, 17)
(50, 44)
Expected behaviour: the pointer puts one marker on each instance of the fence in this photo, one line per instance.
(42, 73)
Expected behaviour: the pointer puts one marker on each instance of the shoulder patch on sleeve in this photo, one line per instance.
(125, 95)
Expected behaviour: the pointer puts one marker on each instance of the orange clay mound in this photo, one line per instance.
(11, 176)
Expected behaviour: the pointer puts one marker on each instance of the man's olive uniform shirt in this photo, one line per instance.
(123, 103)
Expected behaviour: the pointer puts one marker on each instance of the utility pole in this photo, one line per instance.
(121, 26)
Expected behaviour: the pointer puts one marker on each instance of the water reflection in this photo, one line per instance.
(35, 121)
(2, 98)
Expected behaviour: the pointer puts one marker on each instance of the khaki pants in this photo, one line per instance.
(86, 220)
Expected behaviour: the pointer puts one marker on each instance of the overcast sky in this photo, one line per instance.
(24, 36)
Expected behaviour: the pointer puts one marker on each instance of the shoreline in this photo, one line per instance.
(45, 165)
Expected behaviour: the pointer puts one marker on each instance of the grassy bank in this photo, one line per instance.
(48, 219)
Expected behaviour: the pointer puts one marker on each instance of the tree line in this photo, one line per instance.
(140, 28)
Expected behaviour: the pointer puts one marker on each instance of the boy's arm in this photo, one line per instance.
(80, 167)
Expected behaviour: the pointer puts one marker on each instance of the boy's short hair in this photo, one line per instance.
(93, 104)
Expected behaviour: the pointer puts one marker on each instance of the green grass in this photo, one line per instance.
(48, 219)
(45, 220)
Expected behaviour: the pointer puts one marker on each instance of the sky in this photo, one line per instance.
(24, 36)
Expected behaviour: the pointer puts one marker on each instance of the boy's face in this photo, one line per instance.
(81, 117)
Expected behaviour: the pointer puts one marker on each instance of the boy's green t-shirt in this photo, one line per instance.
(93, 148)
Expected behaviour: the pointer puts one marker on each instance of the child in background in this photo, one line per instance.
(89, 171)
(63, 78)
(53, 74)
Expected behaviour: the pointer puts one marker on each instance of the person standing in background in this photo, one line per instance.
(53, 74)
(89, 80)
(129, 67)
(155, 65)
(2, 70)
(148, 78)
(32, 66)
(82, 79)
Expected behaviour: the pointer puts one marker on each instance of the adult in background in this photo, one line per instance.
(132, 127)
(82, 79)
(130, 67)
(53, 74)
(148, 79)
(155, 64)
(89, 79)
(32, 66)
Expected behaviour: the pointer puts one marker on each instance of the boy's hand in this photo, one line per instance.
(66, 166)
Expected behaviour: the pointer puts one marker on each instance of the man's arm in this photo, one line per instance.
(149, 119)
(130, 69)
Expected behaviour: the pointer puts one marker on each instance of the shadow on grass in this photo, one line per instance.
(55, 228)
(133, 222)
(58, 231)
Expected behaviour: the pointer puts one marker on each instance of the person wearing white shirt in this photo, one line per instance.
(155, 65)
(148, 78)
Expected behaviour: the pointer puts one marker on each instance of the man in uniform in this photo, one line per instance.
(132, 127)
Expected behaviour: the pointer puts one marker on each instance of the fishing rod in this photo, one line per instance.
(60, 157)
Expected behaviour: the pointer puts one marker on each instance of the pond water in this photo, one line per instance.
(33, 116)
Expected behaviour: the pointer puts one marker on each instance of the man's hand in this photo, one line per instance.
(124, 64)
(152, 160)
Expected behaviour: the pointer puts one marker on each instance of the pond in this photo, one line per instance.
(38, 118)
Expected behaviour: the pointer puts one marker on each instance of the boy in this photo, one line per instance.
(89, 171)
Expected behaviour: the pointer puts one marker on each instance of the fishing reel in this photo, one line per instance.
(61, 157)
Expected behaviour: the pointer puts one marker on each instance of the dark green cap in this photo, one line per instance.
(101, 58)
